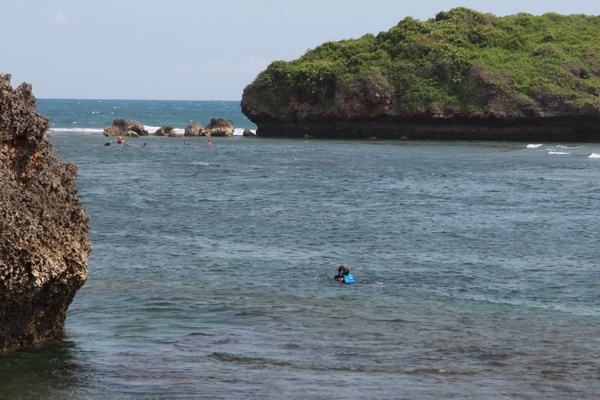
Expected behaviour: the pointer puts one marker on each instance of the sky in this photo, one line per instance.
(196, 49)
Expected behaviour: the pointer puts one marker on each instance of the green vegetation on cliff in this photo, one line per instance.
(461, 61)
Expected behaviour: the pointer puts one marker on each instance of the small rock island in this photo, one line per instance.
(462, 75)
(44, 243)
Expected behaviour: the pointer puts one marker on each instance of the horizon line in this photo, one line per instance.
(129, 99)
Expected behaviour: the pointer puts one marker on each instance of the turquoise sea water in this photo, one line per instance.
(92, 116)
(211, 274)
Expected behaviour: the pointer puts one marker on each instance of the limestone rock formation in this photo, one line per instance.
(44, 243)
(462, 75)
(122, 127)
(368, 110)
(248, 132)
(194, 129)
(164, 130)
(219, 127)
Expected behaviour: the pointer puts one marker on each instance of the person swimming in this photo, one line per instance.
(340, 274)
(344, 274)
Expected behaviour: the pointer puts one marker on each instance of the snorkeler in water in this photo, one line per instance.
(343, 273)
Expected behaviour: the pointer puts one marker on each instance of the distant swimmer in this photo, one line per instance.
(209, 143)
(107, 143)
(144, 145)
(344, 275)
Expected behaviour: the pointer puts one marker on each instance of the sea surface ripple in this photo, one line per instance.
(211, 274)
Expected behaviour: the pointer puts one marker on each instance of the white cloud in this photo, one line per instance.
(60, 18)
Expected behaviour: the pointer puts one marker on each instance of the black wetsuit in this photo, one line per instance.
(341, 272)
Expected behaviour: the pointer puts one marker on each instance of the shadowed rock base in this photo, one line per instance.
(535, 129)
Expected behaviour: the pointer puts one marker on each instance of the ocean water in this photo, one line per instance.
(212, 270)
(92, 116)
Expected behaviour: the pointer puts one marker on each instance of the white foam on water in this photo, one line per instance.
(77, 130)
(240, 131)
(594, 155)
(534, 146)
(558, 152)
(150, 128)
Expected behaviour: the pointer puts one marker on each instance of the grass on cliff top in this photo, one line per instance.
(455, 60)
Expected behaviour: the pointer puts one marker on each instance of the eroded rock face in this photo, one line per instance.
(194, 129)
(164, 130)
(219, 127)
(44, 243)
(122, 127)
(368, 110)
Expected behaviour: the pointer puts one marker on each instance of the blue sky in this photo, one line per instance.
(195, 49)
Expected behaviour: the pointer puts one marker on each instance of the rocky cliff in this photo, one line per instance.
(44, 243)
(461, 75)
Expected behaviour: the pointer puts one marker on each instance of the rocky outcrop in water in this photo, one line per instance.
(194, 129)
(368, 110)
(167, 130)
(248, 132)
(44, 243)
(123, 127)
(219, 127)
(462, 75)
